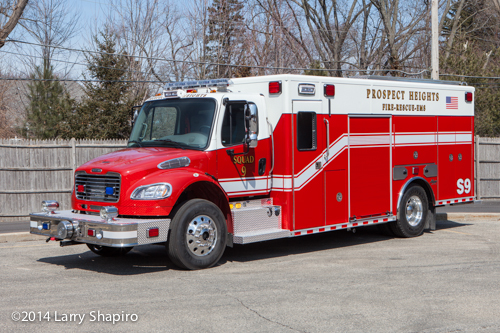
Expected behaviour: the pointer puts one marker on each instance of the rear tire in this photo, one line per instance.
(412, 213)
(107, 251)
(198, 235)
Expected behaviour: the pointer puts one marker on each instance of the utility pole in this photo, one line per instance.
(435, 40)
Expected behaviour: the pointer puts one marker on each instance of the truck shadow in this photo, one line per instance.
(141, 260)
(153, 258)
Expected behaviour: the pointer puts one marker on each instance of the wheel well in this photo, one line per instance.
(422, 183)
(208, 191)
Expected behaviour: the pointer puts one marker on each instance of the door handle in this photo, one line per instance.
(327, 139)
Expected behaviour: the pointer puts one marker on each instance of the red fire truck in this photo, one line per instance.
(214, 163)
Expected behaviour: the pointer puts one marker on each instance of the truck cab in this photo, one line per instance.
(191, 150)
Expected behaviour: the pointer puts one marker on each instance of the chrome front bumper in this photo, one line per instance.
(93, 230)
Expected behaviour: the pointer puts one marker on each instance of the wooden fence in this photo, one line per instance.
(32, 171)
(487, 168)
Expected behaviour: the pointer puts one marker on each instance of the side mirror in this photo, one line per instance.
(135, 113)
(251, 125)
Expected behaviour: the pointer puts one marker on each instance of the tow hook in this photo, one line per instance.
(50, 239)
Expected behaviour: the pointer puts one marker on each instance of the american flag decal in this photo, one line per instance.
(451, 103)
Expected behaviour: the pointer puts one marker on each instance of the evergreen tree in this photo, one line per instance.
(49, 104)
(105, 109)
(316, 68)
(468, 59)
(225, 38)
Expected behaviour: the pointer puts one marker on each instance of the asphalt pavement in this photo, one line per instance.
(444, 281)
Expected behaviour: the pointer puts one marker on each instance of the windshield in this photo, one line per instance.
(182, 123)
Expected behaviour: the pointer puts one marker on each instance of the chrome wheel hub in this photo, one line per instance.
(201, 235)
(414, 211)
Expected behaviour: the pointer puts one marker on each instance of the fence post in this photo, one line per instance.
(478, 181)
(73, 156)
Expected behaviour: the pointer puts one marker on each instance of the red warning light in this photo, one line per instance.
(329, 90)
(275, 87)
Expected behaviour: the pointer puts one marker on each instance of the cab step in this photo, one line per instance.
(256, 221)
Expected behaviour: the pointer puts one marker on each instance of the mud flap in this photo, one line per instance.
(430, 223)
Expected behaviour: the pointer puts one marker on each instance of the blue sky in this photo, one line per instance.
(92, 12)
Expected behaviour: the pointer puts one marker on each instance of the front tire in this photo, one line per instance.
(198, 235)
(412, 214)
(107, 251)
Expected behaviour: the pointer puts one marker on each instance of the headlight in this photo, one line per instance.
(153, 191)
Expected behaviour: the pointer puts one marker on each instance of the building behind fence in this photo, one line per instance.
(32, 171)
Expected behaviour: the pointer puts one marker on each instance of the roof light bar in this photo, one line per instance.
(198, 84)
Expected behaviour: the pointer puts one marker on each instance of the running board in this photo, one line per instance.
(260, 236)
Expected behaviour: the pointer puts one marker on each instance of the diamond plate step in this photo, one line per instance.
(257, 223)
(260, 235)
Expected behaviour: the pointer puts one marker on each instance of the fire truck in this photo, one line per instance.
(214, 163)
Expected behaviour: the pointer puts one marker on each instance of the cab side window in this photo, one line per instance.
(233, 125)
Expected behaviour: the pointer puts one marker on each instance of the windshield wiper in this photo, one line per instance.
(177, 144)
(135, 141)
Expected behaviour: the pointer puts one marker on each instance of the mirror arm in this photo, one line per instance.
(231, 152)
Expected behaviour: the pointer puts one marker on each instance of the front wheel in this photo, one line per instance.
(412, 214)
(198, 235)
(107, 251)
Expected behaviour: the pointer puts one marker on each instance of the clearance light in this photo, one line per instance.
(238, 205)
(231, 206)
(191, 91)
(468, 97)
(329, 90)
(153, 232)
(275, 87)
(49, 206)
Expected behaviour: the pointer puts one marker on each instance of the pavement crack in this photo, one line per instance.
(265, 318)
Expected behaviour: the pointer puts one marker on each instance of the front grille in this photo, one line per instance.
(105, 188)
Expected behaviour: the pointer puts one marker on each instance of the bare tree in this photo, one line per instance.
(51, 23)
(402, 25)
(10, 13)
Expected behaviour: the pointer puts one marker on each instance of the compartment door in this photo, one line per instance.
(370, 169)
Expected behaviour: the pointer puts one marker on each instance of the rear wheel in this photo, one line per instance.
(107, 251)
(412, 214)
(198, 235)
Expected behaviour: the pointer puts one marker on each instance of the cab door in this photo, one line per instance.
(242, 171)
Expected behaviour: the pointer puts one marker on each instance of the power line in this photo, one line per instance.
(472, 77)
(70, 62)
(78, 80)
(192, 62)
